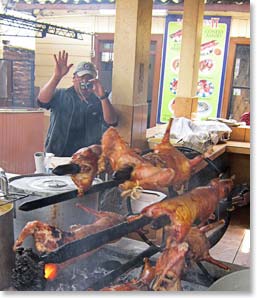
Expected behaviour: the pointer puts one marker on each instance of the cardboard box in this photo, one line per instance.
(240, 134)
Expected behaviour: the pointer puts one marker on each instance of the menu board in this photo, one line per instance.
(212, 65)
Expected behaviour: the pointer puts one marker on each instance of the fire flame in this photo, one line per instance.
(51, 271)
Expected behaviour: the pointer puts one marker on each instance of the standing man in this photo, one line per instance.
(79, 114)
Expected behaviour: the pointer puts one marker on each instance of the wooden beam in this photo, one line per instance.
(186, 103)
(130, 68)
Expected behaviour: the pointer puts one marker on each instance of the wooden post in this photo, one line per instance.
(186, 100)
(130, 68)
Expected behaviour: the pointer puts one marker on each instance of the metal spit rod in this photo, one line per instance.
(65, 196)
(94, 241)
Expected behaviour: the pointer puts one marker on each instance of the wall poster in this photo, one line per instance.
(212, 65)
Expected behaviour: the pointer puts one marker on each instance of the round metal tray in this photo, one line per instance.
(43, 185)
(235, 281)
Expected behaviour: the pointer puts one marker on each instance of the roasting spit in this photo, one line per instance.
(91, 242)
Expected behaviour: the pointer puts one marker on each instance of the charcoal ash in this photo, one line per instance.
(128, 276)
(28, 274)
(77, 277)
(81, 275)
(111, 265)
(189, 286)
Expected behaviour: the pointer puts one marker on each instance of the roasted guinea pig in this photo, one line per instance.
(199, 245)
(171, 264)
(82, 168)
(87, 159)
(183, 210)
(117, 154)
(165, 155)
(48, 238)
(165, 276)
(169, 267)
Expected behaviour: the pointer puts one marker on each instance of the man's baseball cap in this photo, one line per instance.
(85, 68)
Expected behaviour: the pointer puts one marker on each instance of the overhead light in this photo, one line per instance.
(159, 12)
(107, 12)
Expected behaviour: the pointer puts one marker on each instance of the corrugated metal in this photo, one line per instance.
(21, 134)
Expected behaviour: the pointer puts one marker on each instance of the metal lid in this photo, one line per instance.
(44, 185)
(235, 281)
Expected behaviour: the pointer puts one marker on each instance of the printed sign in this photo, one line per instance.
(213, 54)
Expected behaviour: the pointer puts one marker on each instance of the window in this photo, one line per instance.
(104, 46)
(106, 63)
(236, 97)
(240, 89)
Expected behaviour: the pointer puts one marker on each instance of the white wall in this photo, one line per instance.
(240, 27)
(82, 50)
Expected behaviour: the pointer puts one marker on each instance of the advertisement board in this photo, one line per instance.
(212, 65)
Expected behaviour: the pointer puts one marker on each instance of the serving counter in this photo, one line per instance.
(238, 159)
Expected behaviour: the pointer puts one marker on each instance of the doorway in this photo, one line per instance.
(104, 62)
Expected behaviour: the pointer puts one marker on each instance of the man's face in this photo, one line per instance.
(80, 84)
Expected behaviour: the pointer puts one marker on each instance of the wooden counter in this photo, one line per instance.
(229, 147)
(238, 159)
(238, 147)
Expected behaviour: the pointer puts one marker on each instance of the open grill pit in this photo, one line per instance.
(103, 265)
(77, 277)
(92, 273)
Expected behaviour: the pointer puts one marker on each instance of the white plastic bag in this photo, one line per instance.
(181, 127)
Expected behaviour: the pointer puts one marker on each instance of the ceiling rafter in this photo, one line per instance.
(40, 28)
